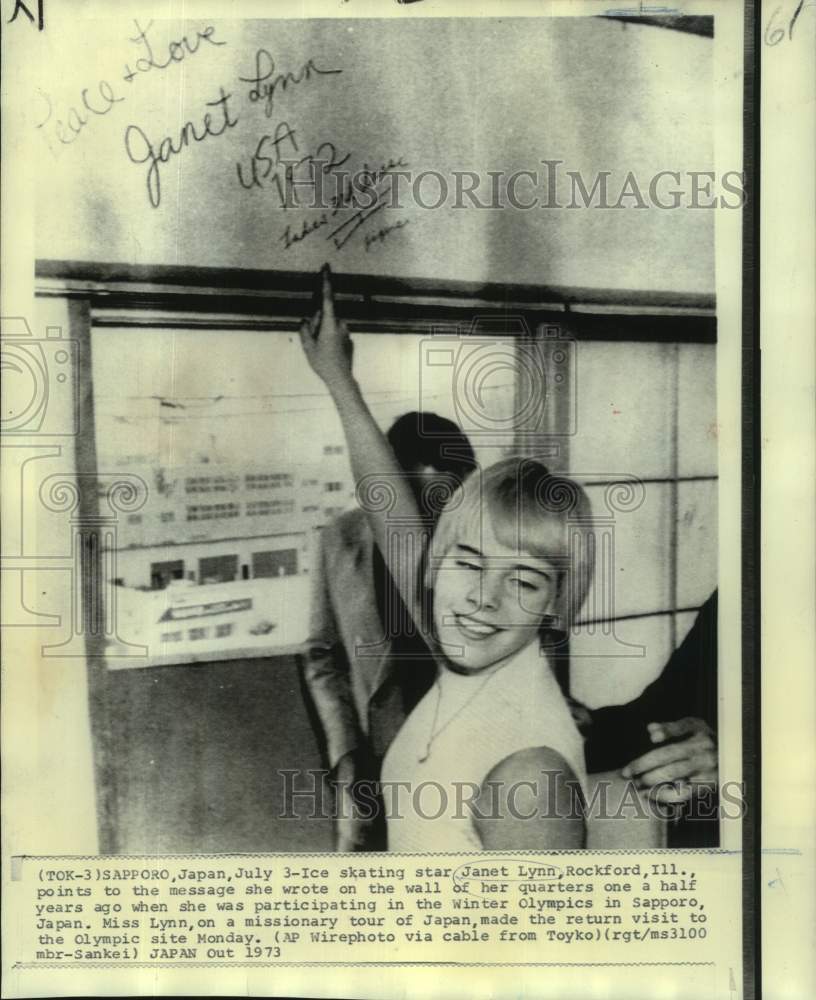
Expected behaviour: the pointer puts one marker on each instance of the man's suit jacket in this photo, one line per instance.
(363, 684)
(687, 686)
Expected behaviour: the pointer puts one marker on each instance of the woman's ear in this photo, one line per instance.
(558, 611)
(575, 581)
(549, 622)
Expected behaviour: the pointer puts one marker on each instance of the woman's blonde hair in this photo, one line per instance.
(529, 510)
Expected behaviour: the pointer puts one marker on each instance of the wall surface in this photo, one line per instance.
(441, 95)
(46, 719)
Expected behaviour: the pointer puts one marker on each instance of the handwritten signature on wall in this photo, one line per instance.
(281, 165)
(269, 164)
(266, 83)
(98, 101)
(282, 160)
(140, 149)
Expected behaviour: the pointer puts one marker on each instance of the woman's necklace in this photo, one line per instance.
(434, 732)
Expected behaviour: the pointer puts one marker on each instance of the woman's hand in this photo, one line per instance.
(326, 341)
(686, 761)
(328, 348)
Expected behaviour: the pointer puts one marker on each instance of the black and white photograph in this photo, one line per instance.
(510, 315)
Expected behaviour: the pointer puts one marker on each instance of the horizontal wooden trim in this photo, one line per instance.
(166, 318)
(619, 328)
(106, 280)
(185, 319)
(472, 303)
(602, 309)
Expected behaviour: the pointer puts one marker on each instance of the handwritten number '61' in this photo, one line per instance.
(774, 33)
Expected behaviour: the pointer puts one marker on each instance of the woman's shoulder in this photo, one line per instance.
(526, 787)
(527, 763)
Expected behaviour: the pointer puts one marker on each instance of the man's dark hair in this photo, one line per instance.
(428, 439)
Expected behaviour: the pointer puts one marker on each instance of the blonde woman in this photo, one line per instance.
(490, 758)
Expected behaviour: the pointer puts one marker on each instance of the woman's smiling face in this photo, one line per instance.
(489, 600)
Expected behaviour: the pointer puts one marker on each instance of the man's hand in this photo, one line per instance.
(686, 758)
(325, 340)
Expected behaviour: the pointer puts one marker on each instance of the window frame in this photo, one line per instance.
(123, 295)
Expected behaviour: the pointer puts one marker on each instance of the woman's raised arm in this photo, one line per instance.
(383, 490)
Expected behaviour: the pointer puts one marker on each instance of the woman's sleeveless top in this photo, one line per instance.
(460, 730)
